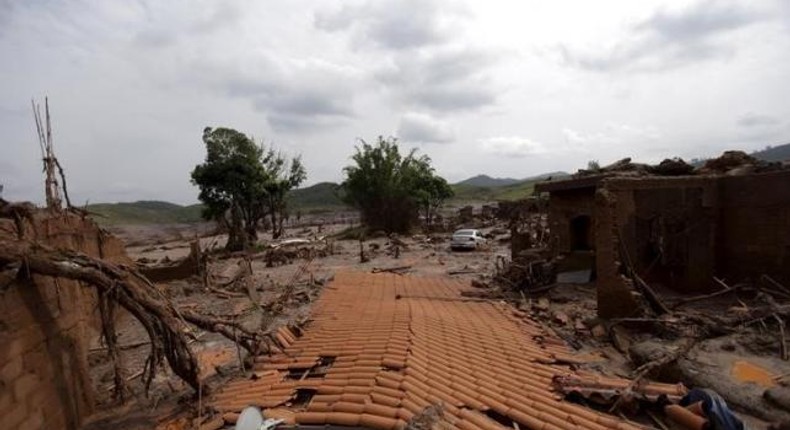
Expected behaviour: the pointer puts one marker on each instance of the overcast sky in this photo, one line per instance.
(504, 88)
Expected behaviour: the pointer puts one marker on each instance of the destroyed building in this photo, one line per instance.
(673, 225)
(46, 325)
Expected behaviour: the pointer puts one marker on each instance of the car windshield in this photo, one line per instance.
(464, 233)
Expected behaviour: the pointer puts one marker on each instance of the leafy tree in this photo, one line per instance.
(241, 183)
(389, 188)
(431, 195)
(283, 177)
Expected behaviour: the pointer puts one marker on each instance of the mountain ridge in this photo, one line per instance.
(322, 197)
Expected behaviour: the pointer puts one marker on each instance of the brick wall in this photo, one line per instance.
(754, 229)
(680, 232)
(615, 295)
(565, 206)
(668, 228)
(44, 329)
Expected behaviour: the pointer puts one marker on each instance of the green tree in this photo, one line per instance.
(241, 183)
(284, 176)
(431, 195)
(389, 188)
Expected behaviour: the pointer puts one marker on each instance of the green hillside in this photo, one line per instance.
(144, 212)
(487, 181)
(470, 193)
(320, 197)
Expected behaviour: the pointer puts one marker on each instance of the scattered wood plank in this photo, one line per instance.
(462, 271)
(776, 284)
(693, 299)
(121, 347)
(397, 270)
(650, 295)
(782, 339)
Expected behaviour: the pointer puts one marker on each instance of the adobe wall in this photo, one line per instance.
(668, 228)
(682, 231)
(564, 206)
(754, 231)
(44, 329)
(615, 295)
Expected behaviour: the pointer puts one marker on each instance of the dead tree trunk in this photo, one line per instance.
(44, 131)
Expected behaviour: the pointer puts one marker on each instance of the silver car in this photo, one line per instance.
(467, 239)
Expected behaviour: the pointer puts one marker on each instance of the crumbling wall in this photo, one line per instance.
(183, 269)
(44, 328)
(754, 229)
(564, 207)
(668, 229)
(615, 295)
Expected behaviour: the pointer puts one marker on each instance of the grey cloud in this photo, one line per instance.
(756, 120)
(15, 112)
(442, 80)
(699, 21)
(6, 13)
(512, 146)
(162, 30)
(158, 38)
(294, 96)
(422, 128)
(425, 68)
(296, 111)
(299, 124)
(388, 24)
(453, 97)
(225, 14)
(670, 39)
(308, 103)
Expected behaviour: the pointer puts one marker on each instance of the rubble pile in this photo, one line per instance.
(729, 163)
(528, 271)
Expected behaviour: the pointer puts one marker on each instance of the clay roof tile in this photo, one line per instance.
(395, 357)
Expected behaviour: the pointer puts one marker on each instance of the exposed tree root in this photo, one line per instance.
(167, 327)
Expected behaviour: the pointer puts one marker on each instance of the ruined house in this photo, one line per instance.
(728, 219)
(46, 324)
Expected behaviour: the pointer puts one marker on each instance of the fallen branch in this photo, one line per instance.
(782, 339)
(122, 347)
(652, 297)
(397, 270)
(707, 296)
(776, 284)
(462, 271)
(648, 293)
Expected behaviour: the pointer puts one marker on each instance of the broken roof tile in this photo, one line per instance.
(399, 344)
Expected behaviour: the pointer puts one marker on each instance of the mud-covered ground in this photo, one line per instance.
(744, 367)
(219, 358)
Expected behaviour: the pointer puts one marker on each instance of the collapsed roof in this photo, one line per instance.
(382, 349)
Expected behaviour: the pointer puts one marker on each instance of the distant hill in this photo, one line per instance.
(144, 212)
(774, 153)
(317, 198)
(469, 193)
(320, 197)
(487, 181)
(499, 188)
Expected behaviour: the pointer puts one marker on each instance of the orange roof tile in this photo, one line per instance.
(398, 344)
